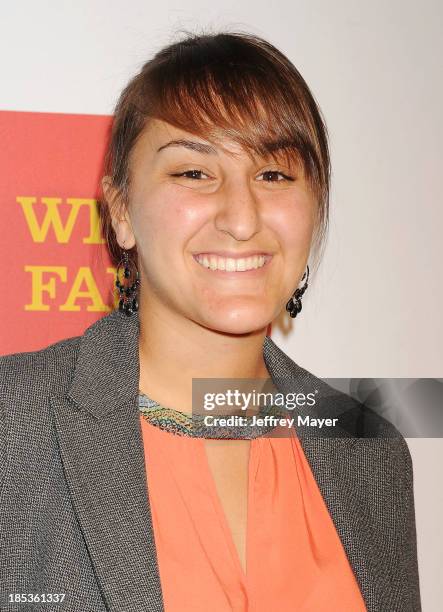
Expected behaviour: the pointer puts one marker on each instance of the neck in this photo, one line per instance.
(173, 350)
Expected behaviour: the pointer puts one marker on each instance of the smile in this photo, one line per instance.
(232, 264)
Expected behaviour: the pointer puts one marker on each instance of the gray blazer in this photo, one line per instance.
(74, 511)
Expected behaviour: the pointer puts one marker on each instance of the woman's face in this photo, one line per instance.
(222, 239)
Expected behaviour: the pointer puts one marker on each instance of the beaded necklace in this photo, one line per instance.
(183, 424)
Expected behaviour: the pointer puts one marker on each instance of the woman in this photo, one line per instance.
(113, 493)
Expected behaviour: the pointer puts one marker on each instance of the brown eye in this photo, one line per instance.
(272, 176)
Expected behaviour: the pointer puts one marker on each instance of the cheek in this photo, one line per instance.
(165, 222)
(293, 224)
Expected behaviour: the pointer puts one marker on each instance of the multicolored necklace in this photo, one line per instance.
(183, 424)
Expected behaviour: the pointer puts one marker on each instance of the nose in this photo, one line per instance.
(238, 213)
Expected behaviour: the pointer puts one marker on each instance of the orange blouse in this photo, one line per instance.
(295, 559)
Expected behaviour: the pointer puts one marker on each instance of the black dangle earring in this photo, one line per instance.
(128, 291)
(294, 304)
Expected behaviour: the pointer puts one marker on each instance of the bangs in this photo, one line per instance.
(247, 121)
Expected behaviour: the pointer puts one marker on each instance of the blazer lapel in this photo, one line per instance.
(334, 462)
(98, 429)
(101, 447)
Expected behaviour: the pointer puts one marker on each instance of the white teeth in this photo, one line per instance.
(229, 264)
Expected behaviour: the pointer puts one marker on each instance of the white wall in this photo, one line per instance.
(376, 69)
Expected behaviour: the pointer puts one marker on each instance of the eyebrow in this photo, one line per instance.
(200, 147)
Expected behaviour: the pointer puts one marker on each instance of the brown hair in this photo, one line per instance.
(227, 85)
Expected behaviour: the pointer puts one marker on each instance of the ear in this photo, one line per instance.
(119, 214)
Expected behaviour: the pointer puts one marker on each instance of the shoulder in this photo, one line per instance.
(46, 370)
(27, 380)
(356, 419)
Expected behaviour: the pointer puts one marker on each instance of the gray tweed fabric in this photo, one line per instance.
(74, 511)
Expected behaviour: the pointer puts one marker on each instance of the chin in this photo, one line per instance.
(239, 321)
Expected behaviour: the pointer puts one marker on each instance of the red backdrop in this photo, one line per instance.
(57, 276)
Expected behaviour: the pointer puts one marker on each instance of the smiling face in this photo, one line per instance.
(222, 238)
